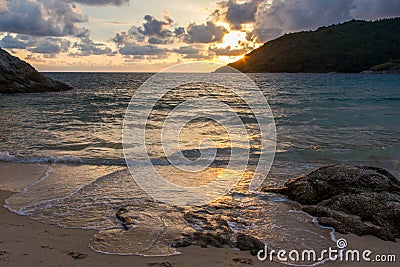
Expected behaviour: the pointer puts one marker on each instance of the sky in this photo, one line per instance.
(133, 35)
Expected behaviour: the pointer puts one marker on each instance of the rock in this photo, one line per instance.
(352, 199)
(244, 261)
(159, 264)
(127, 218)
(247, 242)
(17, 76)
(77, 255)
(214, 231)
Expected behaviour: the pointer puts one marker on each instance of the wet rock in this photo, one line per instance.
(77, 255)
(247, 242)
(203, 239)
(17, 76)
(160, 264)
(244, 261)
(352, 199)
(127, 217)
(211, 231)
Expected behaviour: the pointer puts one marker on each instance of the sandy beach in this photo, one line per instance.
(24, 242)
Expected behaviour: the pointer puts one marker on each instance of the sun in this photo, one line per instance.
(228, 59)
(233, 39)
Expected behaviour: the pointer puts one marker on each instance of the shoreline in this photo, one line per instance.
(25, 242)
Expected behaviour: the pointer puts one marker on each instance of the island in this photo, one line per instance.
(351, 47)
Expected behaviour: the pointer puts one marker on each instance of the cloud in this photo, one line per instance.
(190, 52)
(3, 5)
(228, 51)
(32, 57)
(237, 14)
(152, 31)
(88, 47)
(17, 42)
(154, 27)
(100, 2)
(204, 33)
(130, 36)
(141, 50)
(41, 18)
(375, 9)
(276, 17)
(51, 46)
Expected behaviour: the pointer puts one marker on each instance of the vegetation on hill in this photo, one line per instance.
(392, 66)
(353, 46)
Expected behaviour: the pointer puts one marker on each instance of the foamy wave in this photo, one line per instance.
(7, 157)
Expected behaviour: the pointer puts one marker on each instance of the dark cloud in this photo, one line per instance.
(100, 2)
(152, 31)
(141, 50)
(187, 50)
(41, 18)
(154, 27)
(180, 31)
(51, 46)
(280, 16)
(154, 40)
(17, 42)
(131, 36)
(88, 47)
(237, 14)
(204, 33)
(190, 52)
(264, 34)
(228, 51)
(375, 9)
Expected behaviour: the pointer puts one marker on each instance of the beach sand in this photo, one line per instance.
(24, 242)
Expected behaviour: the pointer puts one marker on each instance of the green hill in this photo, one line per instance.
(353, 46)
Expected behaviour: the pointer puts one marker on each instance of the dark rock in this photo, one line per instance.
(201, 239)
(244, 261)
(77, 255)
(352, 199)
(247, 242)
(17, 76)
(159, 264)
(126, 217)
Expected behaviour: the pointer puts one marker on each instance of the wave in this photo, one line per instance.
(68, 160)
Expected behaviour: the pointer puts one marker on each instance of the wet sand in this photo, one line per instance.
(24, 242)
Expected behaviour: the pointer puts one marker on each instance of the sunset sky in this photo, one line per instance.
(133, 35)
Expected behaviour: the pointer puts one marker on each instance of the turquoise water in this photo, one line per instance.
(320, 119)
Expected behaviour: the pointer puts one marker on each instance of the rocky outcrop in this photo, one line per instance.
(17, 76)
(352, 199)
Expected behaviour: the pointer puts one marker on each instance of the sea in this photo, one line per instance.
(76, 136)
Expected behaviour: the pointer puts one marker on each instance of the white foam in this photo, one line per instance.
(7, 157)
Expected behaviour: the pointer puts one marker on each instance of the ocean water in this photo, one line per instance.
(320, 119)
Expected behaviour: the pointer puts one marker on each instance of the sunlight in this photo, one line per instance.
(233, 39)
(228, 59)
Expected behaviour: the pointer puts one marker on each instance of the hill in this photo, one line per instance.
(353, 46)
(17, 76)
